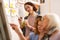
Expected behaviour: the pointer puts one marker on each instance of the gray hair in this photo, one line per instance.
(54, 21)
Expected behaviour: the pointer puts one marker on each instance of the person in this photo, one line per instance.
(53, 27)
(30, 19)
(19, 33)
(46, 29)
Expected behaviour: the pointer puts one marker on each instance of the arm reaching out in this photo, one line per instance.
(15, 27)
(29, 26)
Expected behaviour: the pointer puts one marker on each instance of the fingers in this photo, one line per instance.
(20, 19)
(13, 26)
(33, 28)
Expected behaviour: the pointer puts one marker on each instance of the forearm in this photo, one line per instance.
(29, 26)
(21, 35)
(18, 31)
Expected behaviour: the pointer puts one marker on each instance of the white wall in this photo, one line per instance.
(45, 8)
(55, 7)
(51, 6)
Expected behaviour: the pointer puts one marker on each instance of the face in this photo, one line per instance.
(43, 24)
(28, 8)
(45, 21)
(40, 26)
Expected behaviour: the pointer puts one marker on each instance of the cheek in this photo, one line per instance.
(28, 9)
(31, 8)
(39, 27)
(45, 23)
(43, 27)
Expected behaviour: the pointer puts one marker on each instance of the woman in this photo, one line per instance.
(30, 19)
(20, 34)
(53, 27)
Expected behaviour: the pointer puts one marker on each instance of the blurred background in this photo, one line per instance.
(11, 10)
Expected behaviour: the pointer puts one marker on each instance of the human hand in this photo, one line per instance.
(14, 27)
(20, 19)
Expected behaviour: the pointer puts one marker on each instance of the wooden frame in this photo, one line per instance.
(4, 23)
(42, 1)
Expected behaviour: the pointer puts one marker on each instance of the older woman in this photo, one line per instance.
(53, 27)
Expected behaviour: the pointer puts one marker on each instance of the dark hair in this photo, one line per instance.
(38, 18)
(29, 3)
